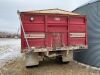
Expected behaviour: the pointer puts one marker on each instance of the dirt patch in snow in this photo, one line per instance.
(47, 68)
(16, 66)
(9, 50)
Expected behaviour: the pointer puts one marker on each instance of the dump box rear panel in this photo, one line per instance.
(52, 30)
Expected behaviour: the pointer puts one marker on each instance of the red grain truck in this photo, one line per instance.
(51, 33)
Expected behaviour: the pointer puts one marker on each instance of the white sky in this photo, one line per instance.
(8, 10)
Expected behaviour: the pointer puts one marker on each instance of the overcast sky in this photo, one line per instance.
(8, 10)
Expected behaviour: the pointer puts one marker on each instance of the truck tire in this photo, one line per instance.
(59, 60)
(31, 60)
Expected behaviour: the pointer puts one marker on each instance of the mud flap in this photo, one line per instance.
(67, 57)
(31, 59)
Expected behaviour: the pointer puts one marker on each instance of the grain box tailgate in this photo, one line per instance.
(48, 30)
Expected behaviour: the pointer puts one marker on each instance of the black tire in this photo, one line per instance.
(32, 66)
(67, 62)
(59, 60)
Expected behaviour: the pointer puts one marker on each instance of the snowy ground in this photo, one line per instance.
(9, 50)
(11, 63)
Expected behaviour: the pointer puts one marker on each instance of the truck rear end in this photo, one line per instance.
(51, 35)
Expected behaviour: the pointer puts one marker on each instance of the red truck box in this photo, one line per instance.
(53, 30)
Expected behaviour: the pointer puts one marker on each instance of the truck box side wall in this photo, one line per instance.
(47, 30)
(77, 25)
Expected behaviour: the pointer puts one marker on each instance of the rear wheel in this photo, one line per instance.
(59, 60)
(31, 66)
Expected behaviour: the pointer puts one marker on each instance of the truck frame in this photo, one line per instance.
(51, 33)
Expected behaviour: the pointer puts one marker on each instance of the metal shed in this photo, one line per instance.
(92, 55)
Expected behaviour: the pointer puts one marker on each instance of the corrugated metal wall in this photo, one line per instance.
(92, 55)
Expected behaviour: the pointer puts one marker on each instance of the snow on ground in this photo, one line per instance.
(88, 66)
(9, 50)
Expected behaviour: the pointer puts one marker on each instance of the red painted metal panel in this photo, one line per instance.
(57, 24)
(22, 40)
(56, 29)
(49, 39)
(38, 43)
(26, 18)
(56, 19)
(64, 39)
(56, 38)
(77, 25)
(77, 20)
(77, 41)
(77, 28)
(34, 27)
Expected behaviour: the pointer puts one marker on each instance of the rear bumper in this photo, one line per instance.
(56, 49)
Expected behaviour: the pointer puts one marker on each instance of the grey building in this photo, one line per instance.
(91, 56)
